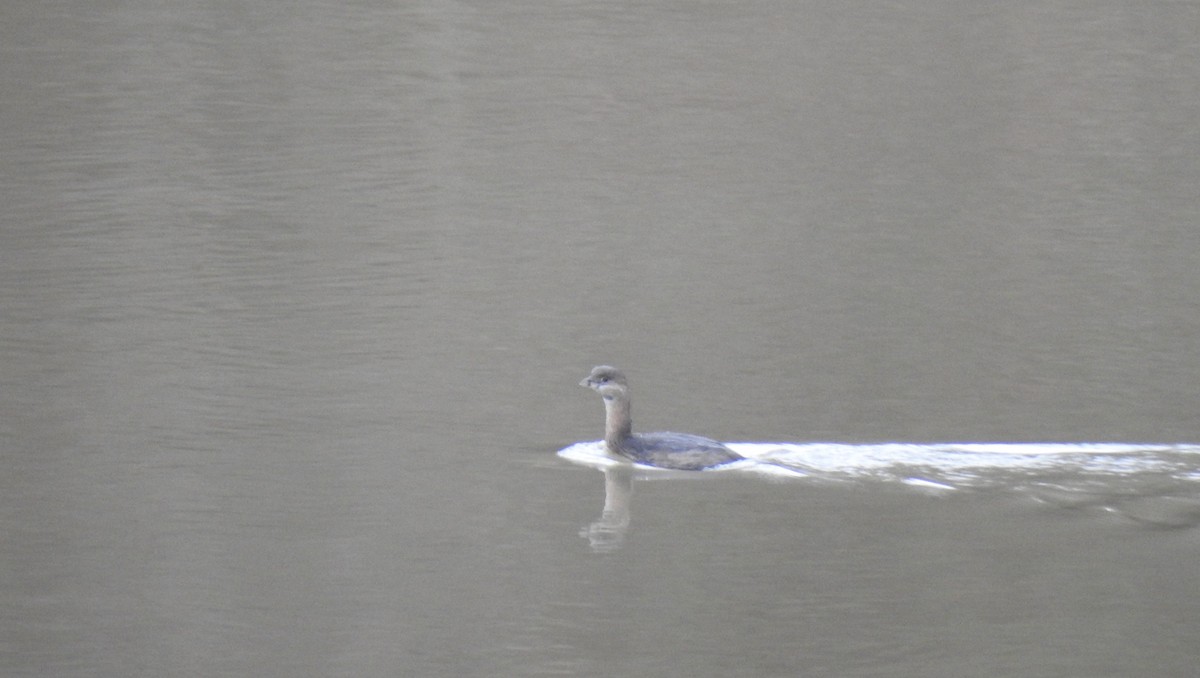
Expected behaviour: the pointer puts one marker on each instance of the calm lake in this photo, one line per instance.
(295, 299)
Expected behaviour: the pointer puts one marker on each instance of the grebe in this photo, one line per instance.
(664, 450)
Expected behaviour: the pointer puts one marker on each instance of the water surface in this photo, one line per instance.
(295, 300)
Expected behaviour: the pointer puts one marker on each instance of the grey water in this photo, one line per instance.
(294, 299)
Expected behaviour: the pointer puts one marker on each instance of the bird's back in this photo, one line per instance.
(680, 451)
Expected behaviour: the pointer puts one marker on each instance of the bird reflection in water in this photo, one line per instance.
(608, 533)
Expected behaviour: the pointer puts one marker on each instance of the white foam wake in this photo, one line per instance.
(1157, 485)
(948, 465)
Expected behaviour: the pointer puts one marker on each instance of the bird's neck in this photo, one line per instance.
(617, 424)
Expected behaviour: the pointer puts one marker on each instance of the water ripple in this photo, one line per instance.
(1154, 484)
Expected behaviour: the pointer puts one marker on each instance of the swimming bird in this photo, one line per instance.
(679, 451)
